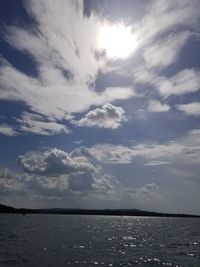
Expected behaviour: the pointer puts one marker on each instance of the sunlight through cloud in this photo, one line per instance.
(117, 40)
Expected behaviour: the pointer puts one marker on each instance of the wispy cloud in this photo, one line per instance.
(165, 52)
(61, 41)
(184, 82)
(38, 124)
(185, 150)
(7, 130)
(192, 109)
(156, 106)
(63, 44)
(162, 16)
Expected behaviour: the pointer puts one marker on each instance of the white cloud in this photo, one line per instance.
(109, 116)
(183, 82)
(156, 106)
(166, 51)
(83, 151)
(57, 49)
(10, 183)
(156, 163)
(163, 16)
(78, 187)
(57, 173)
(121, 154)
(75, 176)
(185, 150)
(67, 63)
(37, 124)
(162, 37)
(53, 162)
(7, 130)
(146, 193)
(190, 109)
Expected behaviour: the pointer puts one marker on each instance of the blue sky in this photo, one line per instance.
(100, 104)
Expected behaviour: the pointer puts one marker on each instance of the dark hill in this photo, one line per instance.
(6, 209)
(115, 212)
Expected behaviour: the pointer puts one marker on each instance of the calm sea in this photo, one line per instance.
(72, 240)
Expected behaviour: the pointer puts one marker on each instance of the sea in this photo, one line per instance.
(81, 240)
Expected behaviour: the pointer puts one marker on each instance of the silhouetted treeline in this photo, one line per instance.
(115, 212)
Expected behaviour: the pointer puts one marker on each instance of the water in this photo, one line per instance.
(72, 240)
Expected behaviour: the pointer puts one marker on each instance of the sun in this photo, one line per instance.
(117, 40)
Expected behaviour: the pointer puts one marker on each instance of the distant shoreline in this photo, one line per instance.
(112, 212)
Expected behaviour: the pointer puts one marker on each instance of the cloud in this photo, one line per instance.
(148, 192)
(65, 175)
(184, 82)
(57, 173)
(67, 64)
(10, 183)
(162, 16)
(165, 52)
(75, 176)
(192, 109)
(53, 162)
(95, 189)
(124, 155)
(83, 151)
(156, 163)
(109, 116)
(185, 150)
(64, 172)
(73, 186)
(7, 130)
(156, 106)
(161, 36)
(37, 124)
(65, 59)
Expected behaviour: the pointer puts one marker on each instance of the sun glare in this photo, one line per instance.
(117, 40)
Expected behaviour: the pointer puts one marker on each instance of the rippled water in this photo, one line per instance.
(70, 240)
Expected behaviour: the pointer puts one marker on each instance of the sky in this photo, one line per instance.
(100, 104)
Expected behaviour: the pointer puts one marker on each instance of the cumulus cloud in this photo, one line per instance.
(50, 174)
(156, 106)
(53, 162)
(64, 172)
(60, 174)
(192, 109)
(63, 175)
(75, 187)
(7, 130)
(109, 116)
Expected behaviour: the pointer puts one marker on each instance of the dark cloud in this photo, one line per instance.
(53, 162)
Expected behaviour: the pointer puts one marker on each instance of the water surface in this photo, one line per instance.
(74, 240)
